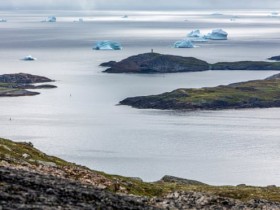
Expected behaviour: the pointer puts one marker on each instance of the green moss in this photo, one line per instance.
(14, 153)
(259, 93)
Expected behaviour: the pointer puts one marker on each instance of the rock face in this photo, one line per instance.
(274, 77)
(157, 63)
(173, 179)
(251, 94)
(26, 190)
(22, 78)
(197, 200)
(12, 85)
(275, 58)
(246, 65)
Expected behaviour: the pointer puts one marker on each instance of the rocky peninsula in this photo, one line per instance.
(12, 85)
(31, 179)
(252, 94)
(158, 63)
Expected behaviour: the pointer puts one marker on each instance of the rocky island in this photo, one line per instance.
(31, 179)
(12, 85)
(159, 63)
(252, 94)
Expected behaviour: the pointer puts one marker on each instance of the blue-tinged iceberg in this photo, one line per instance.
(50, 19)
(185, 43)
(29, 58)
(196, 36)
(107, 45)
(217, 34)
(3, 20)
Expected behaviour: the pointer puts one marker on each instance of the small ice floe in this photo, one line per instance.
(81, 20)
(185, 43)
(3, 20)
(196, 36)
(216, 14)
(125, 16)
(274, 14)
(50, 19)
(107, 45)
(217, 34)
(29, 58)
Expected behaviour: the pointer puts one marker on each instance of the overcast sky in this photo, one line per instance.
(139, 4)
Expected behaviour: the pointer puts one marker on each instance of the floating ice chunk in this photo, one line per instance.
(50, 19)
(216, 14)
(274, 14)
(125, 16)
(107, 45)
(217, 34)
(81, 20)
(195, 33)
(3, 20)
(29, 58)
(185, 43)
(196, 36)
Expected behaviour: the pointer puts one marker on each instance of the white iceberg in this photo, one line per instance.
(29, 58)
(274, 14)
(125, 16)
(217, 34)
(3, 20)
(195, 33)
(196, 36)
(107, 45)
(185, 43)
(50, 19)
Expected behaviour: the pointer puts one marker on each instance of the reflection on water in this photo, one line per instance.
(218, 147)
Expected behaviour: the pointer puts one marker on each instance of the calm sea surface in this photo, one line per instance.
(217, 147)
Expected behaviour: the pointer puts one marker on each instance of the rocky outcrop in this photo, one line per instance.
(13, 85)
(251, 94)
(158, 63)
(205, 201)
(30, 179)
(246, 65)
(275, 58)
(27, 190)
(22, 78)
(276, 77)
(173, 179)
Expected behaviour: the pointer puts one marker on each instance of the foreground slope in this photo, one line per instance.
(30, 179)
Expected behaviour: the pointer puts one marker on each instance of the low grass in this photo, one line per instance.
(13, 152)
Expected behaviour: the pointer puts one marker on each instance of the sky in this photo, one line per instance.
(139, 4)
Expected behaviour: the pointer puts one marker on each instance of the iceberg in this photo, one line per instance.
(3, 20)
(196, 36)
(107, 45)
(195, 33)
(125, 16)
(274, 14)
(29, 58)
(185, 43)
(217, 34)
(50, 19)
